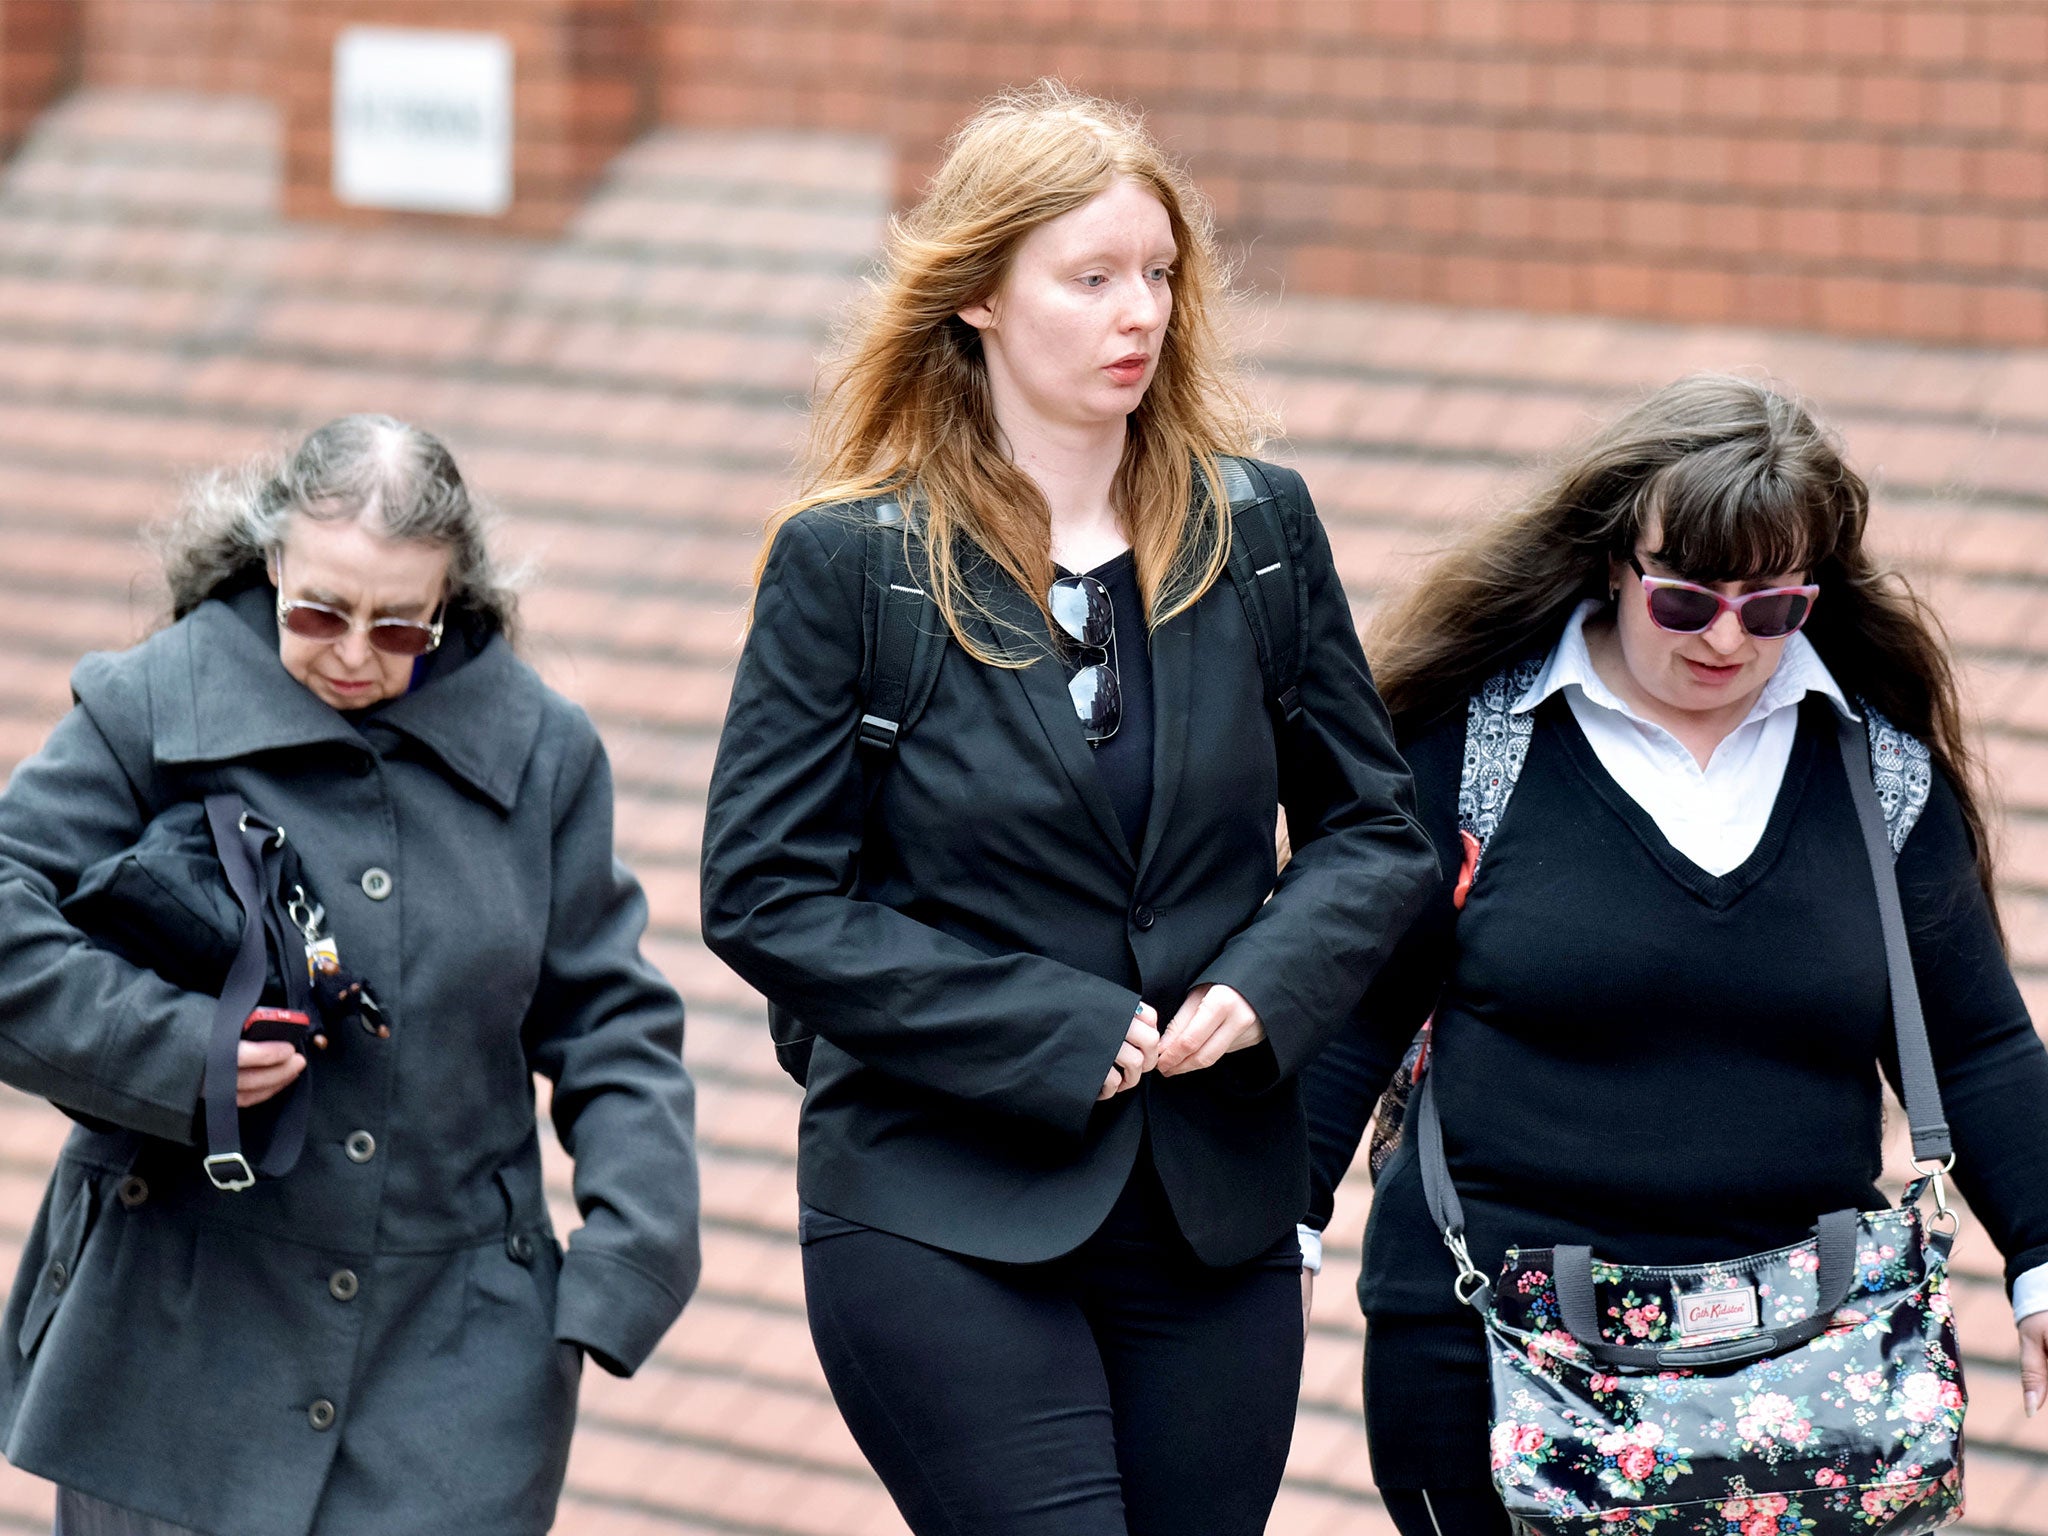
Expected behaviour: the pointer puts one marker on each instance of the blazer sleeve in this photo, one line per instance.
(607, 1030)
(1362, 866)
(1341, 1087)
(1018, 1033)
(91, 1032)
(1988, 1059)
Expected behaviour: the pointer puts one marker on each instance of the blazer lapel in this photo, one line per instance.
(1044, 683)
(1173, 687)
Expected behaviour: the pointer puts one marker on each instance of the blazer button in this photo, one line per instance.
(60, 1275)
(342, 1285)
(132, 1191)
(321, 1414)
(376, 883)
(1144, 917)
(361, 1146)
(520, 1247)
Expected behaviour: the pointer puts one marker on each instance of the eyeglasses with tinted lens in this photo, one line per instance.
(1685, 608)
(1081, 608)
(321, 623)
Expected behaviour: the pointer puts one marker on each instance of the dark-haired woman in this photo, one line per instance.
(386, 1336)
(1050, 1256)
(1660, 1013)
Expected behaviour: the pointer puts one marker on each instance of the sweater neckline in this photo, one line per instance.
(1717, 891)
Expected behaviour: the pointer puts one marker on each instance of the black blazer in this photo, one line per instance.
(970, 959)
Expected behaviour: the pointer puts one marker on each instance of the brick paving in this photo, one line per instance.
(630, 394)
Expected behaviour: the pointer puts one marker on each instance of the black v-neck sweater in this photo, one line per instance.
(1672, 1066)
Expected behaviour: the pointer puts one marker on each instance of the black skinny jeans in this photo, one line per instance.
(1447, 1512)
(1125, 1389)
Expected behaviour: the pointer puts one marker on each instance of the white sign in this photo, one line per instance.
(423, 120)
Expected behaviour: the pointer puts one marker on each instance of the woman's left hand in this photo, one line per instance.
(1213, 1021)
(2034, 1360)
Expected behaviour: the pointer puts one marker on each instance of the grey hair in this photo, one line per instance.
(231, 521)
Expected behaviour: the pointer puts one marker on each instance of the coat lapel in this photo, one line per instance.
(1173, 685)
(1018, 622)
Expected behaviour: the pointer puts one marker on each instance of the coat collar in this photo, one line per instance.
(218, 692)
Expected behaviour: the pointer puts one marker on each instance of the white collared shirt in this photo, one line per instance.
(1714, 815)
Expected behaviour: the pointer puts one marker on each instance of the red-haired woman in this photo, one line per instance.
(1660, 1014)
(1050, 1253)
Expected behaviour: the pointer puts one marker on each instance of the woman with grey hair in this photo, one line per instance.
(386, 1337)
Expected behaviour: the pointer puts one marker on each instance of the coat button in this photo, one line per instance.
(1144, 917)
(520, 1247)
(376, 883)
(132, 1191)
(321, 1414)
(342, 1285)
(60, 1275)
(361, 1146)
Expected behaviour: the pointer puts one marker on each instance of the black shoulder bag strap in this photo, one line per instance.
(1918, 1088)
(905, 642)
(903, 661)
(1268, 579)
(245, 843)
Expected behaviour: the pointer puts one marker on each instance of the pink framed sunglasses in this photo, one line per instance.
(1686, 608)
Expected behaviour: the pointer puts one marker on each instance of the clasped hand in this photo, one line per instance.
(1213, 1021)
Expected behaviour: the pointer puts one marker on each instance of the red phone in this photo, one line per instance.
(287, 1024)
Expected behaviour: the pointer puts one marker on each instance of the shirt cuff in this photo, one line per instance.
(2030, 1293)
(1312, 1258)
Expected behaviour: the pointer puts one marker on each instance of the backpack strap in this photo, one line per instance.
(1268, 579)
(1903, 770)
(1496, 745)
(905, 641)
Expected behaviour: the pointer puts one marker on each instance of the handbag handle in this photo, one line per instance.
(240, 847)
(1571, 1267)
(1918, 1088)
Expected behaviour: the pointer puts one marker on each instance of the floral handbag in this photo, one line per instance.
(1815, 1390)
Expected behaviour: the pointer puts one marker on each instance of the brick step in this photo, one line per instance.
(398, 265)
(1613, 359)
(221, 186)
(1507, 422)
(582, 1515)
(115, 384)
(835, 167)
(725, 1488)
(178, 121)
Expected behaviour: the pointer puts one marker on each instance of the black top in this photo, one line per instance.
(1672, 1066)
(1125, 760)
(971, 952)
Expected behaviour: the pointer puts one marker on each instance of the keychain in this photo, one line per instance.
(339, 995)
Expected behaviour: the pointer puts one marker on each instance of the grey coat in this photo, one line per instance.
(371, 1342)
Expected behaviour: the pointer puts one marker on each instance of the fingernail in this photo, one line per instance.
(2033, 1401)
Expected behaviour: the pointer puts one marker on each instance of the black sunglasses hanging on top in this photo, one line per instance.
(1082, 609)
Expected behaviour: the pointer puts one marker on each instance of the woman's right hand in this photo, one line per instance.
(1138, 1054)
(264, 1069)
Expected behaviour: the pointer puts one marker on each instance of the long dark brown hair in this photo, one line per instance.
(1743, 483)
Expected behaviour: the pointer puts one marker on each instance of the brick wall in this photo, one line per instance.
(222, 46)
(583, 78)
(1876, 167)
(1879, 166)
(38, 60)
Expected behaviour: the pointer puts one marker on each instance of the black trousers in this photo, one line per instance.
(1126, 1389)
(1446, 1512)
(1426, 1412)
